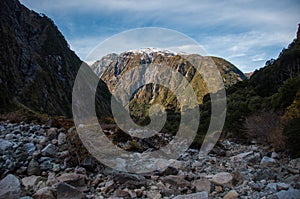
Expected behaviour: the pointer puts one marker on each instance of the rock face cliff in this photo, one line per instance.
(113, 67)
(38, 68)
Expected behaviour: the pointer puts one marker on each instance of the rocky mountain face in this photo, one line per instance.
(113, 67)
(38, 68)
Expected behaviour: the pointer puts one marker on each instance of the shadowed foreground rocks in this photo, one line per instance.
(35, 162)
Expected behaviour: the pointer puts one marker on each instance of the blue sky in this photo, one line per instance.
(246, 33)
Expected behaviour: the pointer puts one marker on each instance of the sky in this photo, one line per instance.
(247, 33)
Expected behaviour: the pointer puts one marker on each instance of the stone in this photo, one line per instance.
(278, 186)
(177, 181)
(29, 148)
(73, 179)
(121, 194)
(130, 180)
(5, 145)
(223, 178)
(50, 151)
(231, 195)
(289, 194)
(44, 193)
(89, 163)
(62, 138)
(241, 155)
(66, 191)
(201, 185)
(33, 168)
(46, 165)
(256, 186)
(10, 187)
(154, 194)
(274, 155)
(33, 182)
(109, 186)
(267, 162)
(52, 180)
(52, 133)
(253, 159)
(199, 195)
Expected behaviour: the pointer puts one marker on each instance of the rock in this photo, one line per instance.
(89, 163)
(33, 168)
(46, 165)
(5, 145)
(289, 194)
(199, 195)
(10, 187)
(267, 162)
(62, 138)
(169, 171)
(51, 179)
(44, 193)
(278, 186)
(274, 155)
(121, 194)
(50, 151)
(241, 155)
(29, 147)
(231, 195)
(130, 180)
(52, 133)
(66, 191)
(153, 194)
(256, 186)
(177, 181)
(295, 163)
(253, 159)
(222, 178)
(34, 182)
(201, 185)
(265, 174)
(73, 179)
(109, 186)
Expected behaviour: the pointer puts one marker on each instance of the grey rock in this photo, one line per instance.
(46, 165)
(33, 168)
(10, 187)
(267, 162)
(231, 195)
(222, 178)
(199, 195)
(66, 191)
(34, 182)
(5, 145)
(73, 179)
(177, 181)
(44, 193)
(62, 138)
(201, 185)
(29, 147)
(50, 150)
(278, 186)
(289, 194)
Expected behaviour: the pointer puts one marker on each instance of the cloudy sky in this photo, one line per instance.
(247, 33)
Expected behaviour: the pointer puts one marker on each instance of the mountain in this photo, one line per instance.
(38, 68)
(154, 62)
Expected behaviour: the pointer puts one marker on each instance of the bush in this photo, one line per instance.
(292, 132)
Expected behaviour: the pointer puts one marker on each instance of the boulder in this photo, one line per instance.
(66, 191)
(201, 185)
(231, 195)
(223, 178)
(10, 187)
(267, 162)
(199, 195)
